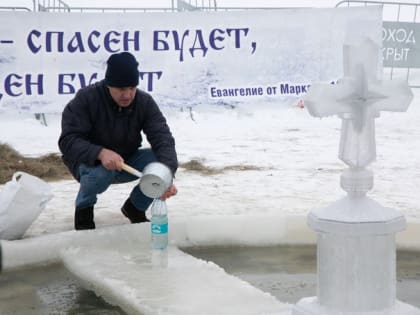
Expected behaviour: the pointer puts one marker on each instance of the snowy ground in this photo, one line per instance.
(294, 159)
(293, 165)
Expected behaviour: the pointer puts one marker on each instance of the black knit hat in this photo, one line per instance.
(122, 70)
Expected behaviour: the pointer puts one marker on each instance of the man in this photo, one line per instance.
(101, 129)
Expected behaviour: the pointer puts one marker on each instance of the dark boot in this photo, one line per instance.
(83, 219)
(131, 212)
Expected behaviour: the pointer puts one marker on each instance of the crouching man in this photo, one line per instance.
(101, 128)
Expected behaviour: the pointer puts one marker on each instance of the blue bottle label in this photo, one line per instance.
(159, 228)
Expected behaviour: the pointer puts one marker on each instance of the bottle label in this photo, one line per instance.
(159, 228)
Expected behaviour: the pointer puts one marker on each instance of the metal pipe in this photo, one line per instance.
(374, 2)
(15, 8)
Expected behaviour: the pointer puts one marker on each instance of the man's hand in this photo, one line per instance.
(110, 159)
(172, 191)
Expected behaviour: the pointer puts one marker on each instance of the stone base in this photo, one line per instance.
(310, 306)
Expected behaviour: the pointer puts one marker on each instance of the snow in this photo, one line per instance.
(294, 160)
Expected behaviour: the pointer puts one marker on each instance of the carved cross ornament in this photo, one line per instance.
(358, 99)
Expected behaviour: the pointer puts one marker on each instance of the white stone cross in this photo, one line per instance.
(357, 99)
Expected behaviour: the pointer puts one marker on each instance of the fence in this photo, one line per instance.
(61, 6)
(400, 34)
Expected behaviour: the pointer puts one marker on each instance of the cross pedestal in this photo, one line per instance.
(356, 260)
(356, 247)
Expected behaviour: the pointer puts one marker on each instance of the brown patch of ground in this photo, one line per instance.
(50, 167)
(197, 166)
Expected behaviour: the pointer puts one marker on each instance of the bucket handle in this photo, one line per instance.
(131, 170)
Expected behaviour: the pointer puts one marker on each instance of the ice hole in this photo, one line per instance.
(289, 272)
(49, 290)
(286, 272)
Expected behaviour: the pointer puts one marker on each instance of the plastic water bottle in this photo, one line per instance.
(159, 224)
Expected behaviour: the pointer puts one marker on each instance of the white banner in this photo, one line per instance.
(186, 58)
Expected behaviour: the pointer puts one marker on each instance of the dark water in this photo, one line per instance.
(289, 272)
(48, 290)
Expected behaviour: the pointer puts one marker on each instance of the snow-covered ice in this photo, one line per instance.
(292, 159)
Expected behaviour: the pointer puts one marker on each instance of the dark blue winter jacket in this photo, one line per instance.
(92, 121)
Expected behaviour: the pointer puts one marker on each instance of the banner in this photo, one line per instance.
(400, 41)
(186, 58)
